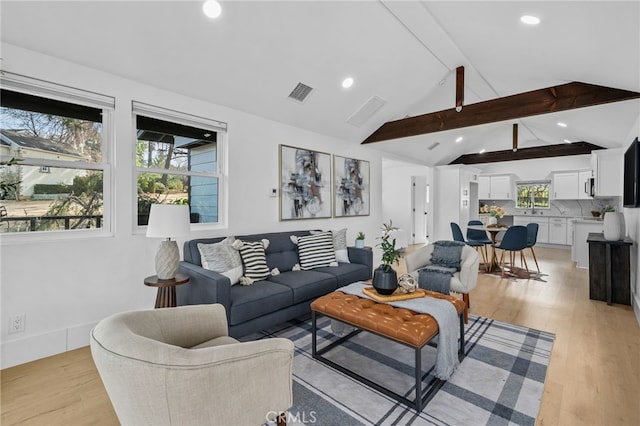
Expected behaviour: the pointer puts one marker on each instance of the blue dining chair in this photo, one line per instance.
(532, 238)
(458, 236)
(457, 232)
(480, 240)
(514, 240)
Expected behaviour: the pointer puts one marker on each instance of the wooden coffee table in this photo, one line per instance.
(414, 330)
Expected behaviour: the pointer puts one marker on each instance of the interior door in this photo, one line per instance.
(419, 209)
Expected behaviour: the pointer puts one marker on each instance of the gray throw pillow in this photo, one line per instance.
(223, 258)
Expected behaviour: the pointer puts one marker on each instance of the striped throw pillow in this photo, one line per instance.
(254, 260)
(316, 251)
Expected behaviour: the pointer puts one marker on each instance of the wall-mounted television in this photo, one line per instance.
(631, 190)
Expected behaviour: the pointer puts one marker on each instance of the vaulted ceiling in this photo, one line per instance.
(402, 52)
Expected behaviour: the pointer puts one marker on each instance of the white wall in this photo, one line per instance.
(65, 286)
(632, 222)
(397, 192)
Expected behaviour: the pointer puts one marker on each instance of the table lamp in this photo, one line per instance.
(167, 221)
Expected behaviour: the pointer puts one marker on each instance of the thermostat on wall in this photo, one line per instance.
(274, 192)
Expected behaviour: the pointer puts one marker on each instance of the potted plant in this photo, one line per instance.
(360, 240)
(385, 279)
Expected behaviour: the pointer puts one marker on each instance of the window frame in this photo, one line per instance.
(177, 117)
(44, 89)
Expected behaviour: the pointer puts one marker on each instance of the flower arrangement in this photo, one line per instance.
(495, 211)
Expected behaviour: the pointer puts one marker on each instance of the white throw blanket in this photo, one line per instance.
(445, 315)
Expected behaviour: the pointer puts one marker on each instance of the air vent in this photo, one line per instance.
(366, 111)
(300, 92)
(434, 146)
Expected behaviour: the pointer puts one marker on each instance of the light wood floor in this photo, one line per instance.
(593, 377)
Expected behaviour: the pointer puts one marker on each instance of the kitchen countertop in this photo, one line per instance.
(570, 217)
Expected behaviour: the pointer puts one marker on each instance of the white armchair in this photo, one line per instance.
(178, 366)
(462, 281)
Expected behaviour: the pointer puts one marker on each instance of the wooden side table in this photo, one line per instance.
(166, 297)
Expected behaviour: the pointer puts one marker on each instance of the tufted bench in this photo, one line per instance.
(401, 325)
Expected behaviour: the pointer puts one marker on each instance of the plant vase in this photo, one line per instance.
(360, 243)
(613, 228)
(385, 280)
(493, 220)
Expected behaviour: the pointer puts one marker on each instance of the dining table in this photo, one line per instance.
(493, 231)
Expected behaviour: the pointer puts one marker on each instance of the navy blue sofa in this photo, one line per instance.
(275, 300)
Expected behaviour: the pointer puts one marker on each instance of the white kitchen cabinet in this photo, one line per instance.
(584, 185)
(566, 185)
(570, 223)
(558, 230)
(608, 167)
(498, 187)
(543, 228)
(580, 247)
(484, 187)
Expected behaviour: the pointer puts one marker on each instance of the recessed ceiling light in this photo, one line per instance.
(211, 9)
(567, 141)
(530, 19)
(561, 124)
(347, 82)
(459, 139)
(482, 151)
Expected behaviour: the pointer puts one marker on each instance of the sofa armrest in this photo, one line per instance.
(363, 256)
(469, 268)
(204, 287)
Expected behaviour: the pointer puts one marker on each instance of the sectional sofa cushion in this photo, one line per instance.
(256, 300)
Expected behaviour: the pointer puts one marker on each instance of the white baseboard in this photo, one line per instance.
(20, 351)
(635, 303)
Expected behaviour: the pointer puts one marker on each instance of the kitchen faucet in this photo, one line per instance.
(532, 201)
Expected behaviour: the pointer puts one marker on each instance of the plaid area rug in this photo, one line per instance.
(499, 381)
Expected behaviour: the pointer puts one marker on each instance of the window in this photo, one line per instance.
(53, 144)
(532, 195)
(178, 162)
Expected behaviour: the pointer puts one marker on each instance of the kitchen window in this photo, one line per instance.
(533, 195)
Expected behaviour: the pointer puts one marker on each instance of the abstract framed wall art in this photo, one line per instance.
(305, 184)
(351, 180)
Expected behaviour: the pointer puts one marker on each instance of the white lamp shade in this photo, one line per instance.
(168, 221)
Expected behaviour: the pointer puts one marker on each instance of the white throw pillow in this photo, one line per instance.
(223, 258)
(340, 244)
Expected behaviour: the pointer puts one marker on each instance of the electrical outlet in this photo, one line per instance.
(17, 323)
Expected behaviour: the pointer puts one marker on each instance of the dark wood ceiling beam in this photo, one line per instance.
(560, 150)
(459, 88)
(542, 101)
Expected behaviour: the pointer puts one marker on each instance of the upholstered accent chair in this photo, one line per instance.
(462, 281)
(178, 366)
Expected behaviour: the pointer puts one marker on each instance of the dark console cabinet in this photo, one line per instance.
(609, 269)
